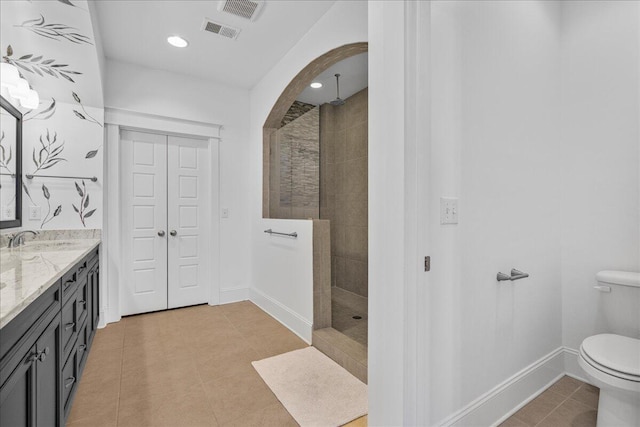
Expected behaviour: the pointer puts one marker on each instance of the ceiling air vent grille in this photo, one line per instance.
(220, 29)
(246, 9)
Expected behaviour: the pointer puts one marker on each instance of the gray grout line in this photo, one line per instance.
(561, 403)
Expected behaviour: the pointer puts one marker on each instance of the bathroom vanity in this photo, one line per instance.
(49, 312)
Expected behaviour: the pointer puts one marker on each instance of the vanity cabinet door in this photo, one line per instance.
(30, 396)
(49, 351)
(17, 402)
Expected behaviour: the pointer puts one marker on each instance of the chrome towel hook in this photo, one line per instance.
(515, 275)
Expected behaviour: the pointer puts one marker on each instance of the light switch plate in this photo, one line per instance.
(448, 210)
(225, 212)
(35, 213)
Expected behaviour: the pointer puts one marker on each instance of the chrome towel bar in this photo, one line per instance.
(515, 275)
(91, 178)
(270, 231)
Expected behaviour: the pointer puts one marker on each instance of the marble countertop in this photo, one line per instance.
(28, 271)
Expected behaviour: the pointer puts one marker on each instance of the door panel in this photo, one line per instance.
(188, 250)
(144, 215)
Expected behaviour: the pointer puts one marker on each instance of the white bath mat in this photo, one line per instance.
(315, 390)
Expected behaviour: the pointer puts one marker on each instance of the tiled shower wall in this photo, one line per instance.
(343, 189)
(295, 169)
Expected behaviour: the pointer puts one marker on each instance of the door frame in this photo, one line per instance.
(115, 121)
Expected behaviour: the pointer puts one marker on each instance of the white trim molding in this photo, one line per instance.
(292, 320)
(115, 121)
(230, 295)
(155, 123)
(505, 399)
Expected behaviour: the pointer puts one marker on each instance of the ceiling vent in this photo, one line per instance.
(220, 29)
(247, 9)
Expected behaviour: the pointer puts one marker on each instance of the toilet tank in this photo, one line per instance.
(620, 301)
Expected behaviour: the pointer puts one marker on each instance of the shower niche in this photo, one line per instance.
(316, 168)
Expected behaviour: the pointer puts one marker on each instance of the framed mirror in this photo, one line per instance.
(10, 165)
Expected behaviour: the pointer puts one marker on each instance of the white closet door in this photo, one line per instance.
(188, 210)
(144, 221)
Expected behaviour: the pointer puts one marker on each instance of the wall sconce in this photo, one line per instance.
(17, 87)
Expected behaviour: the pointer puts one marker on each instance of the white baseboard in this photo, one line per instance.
(505, 399)
(292, 320)
(229, 295)
(571, 366)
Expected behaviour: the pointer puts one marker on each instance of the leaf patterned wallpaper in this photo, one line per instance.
(52, 45)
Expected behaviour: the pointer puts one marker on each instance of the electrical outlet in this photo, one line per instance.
(448, 210)
(225, 212)
(7, 212)
(35, 213)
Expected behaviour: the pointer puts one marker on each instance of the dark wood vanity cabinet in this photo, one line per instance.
(44, 349)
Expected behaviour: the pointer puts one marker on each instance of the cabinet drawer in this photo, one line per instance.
(69, 382)
(83, 302)
(82, 346)
(69, 326)
(69, 285)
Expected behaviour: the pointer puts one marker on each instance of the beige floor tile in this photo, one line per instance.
(99, 408)
(513, 422)
(571, 413)
(587, 395)
(539, 408)
(105, 363)
(242, 395)
(260, 327)
(273, 344)
(184, 409)
(566, 386)
(244, 312)
(271, 416)
(358, 422)
(225, 361)
(145, 382)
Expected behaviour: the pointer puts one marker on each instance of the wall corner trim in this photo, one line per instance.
(292, 320)
(172, 125)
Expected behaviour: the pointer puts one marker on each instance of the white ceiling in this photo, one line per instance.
(136, 32)
(354, 76)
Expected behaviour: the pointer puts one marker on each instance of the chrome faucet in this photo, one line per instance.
(18, 238)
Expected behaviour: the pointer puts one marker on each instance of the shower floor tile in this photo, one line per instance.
(344, 307)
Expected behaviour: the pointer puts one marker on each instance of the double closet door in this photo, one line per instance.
(165, 204)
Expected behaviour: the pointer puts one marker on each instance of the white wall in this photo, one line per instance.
(495, 145)
(134, 88)
(601, 167)
(79, 147)
(286, 291)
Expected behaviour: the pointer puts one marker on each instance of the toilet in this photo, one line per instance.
(612, 361)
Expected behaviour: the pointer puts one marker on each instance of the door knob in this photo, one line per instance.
(161, 233)
(173, 232)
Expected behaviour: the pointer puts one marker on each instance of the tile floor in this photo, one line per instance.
(345, 305)
(185, 367)
(566, 403)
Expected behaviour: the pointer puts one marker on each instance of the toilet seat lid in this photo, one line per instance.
(615, 352)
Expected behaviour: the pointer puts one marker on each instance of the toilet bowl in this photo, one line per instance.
(612, 363)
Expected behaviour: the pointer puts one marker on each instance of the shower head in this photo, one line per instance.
(338, 101)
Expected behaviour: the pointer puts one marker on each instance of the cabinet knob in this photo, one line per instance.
(161, 233)
(173, 232)
(69, 382)
(43, 354)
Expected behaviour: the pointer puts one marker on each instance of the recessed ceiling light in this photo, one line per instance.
(177, 41)
(316, 85)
